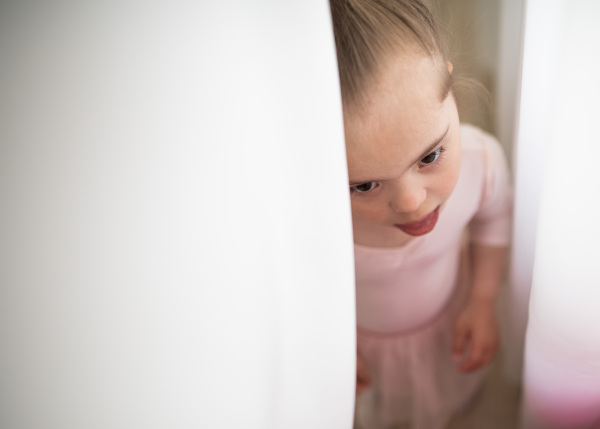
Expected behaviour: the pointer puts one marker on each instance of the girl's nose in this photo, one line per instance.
(408, 199)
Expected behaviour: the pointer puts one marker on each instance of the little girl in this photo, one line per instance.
(431, 207)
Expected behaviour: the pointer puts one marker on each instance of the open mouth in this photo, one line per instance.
(421, 227)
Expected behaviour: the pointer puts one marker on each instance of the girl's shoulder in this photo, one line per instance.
(482, 150)
(475, 139)
(486, 180)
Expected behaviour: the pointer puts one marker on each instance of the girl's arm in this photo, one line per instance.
(476, 336)
(362, 375)
(488, 264)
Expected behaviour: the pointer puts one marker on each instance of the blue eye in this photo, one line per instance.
(363, 188)
(432, 157)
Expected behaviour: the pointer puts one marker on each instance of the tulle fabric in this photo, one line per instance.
(415, 382)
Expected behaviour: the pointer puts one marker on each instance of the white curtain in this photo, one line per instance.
(557, 233)
(175, 233)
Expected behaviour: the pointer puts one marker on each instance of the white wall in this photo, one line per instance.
(175, 241)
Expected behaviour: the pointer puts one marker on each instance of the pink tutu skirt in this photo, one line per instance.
(415, 382)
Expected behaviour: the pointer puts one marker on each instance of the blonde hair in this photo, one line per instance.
(367, 32)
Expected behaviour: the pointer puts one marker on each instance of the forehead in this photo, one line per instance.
(400, 114)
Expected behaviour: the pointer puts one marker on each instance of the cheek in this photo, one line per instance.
(447, 179)
(368, 209)
(453, 176)
(446, 187)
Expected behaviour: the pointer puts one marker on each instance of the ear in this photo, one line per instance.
(449, 66)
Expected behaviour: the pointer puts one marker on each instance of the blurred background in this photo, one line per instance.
(484, 38)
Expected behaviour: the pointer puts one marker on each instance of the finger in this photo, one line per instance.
(480, 357)
(362, 375)
(361, 383)
(363, 378)
(475, 358)
(361, 370)
(461, 337)
(489, 350)
(471, 365)
(360, 387)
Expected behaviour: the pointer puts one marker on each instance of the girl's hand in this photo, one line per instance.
(476, 336)
(362, 376)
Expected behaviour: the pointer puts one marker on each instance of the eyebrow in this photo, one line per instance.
(433, 145)
(423, 155)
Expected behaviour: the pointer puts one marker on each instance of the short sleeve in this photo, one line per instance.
(492, 223)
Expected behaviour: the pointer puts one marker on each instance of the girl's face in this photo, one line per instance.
(403, 148)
